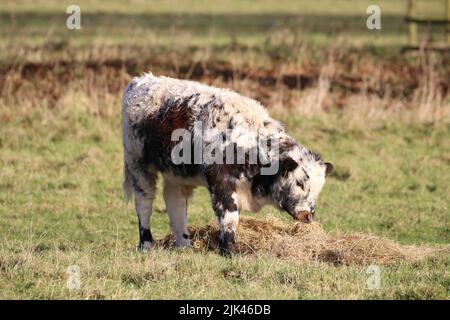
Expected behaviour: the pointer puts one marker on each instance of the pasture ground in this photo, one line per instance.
(380, 116)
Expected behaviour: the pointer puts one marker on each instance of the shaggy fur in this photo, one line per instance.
(154, 107)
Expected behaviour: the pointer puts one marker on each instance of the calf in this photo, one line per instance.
(197, 135)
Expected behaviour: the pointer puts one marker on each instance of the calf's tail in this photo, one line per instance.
(127, 183)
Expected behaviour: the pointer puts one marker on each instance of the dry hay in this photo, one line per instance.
(306, 243)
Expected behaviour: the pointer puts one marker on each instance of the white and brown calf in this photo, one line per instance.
(156, 107)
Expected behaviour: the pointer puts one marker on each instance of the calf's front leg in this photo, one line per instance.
(228, 222)
(225, 206)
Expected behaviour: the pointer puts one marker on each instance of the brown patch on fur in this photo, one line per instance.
(179, 117)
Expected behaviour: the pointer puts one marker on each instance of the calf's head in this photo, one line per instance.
(298, 183)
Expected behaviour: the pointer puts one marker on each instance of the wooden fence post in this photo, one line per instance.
(412, 26)
(448, 21)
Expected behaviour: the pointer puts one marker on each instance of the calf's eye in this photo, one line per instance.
(301, 184)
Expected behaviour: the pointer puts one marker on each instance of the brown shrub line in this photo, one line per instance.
(392, 80)
(415, 93)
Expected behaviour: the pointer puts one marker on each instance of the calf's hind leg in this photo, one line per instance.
(176, 198)
(144, 188)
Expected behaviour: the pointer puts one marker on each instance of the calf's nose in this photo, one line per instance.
(304, 216)
(309, 217)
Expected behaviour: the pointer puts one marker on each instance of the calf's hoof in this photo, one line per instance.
(227, 243)
(183, 241)
(146, 245)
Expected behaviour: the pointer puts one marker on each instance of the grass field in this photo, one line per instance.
(381, 117)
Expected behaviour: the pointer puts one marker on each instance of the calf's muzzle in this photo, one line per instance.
(305, 216)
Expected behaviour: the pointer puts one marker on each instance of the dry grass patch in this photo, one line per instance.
(307, 243)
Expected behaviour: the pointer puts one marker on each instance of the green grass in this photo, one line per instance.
(61, 205)
(61, 202)
(200, 23)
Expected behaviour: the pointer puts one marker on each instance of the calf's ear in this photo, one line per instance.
(328, 168)
(287, 165)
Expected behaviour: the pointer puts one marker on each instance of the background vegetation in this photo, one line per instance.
(380, 115)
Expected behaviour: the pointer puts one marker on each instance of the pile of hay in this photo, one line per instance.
(306, 242)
